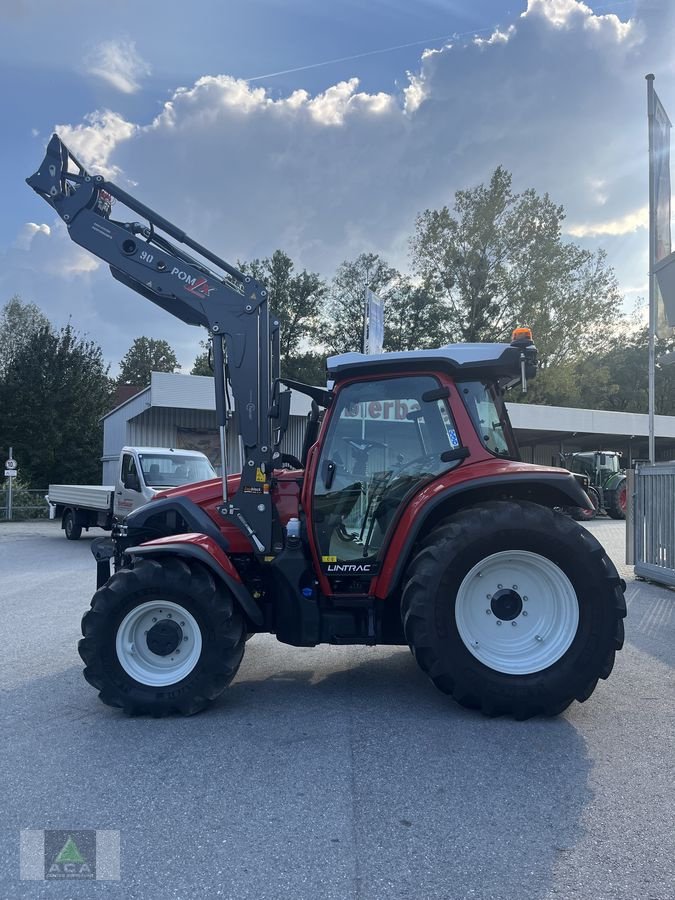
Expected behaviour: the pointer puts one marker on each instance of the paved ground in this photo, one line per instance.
(332, 773)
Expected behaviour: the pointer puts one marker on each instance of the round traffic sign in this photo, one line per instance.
(10, 464)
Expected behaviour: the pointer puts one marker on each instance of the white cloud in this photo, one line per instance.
(25, 236)
(630, 222)
(96, 138)
(557, 96)
(118, 63)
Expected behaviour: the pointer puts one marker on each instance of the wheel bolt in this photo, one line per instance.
(475, 643)
(515, 587)
(154, 618)
(487, 611)
(525, 599)
(524, 612)
(499, 586)
(514, 623)
(499, 621)
(181, 624)
(539, 637)
(185, 638)
(168, 615)
(177, 649)
(489, 596)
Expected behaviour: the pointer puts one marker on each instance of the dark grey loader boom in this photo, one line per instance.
(233, 306)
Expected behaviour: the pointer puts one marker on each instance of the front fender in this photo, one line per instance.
(203, 548)
(544, 487)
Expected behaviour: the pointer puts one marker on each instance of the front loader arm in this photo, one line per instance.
(231, 305)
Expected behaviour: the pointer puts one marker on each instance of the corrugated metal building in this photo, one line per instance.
(179, 411)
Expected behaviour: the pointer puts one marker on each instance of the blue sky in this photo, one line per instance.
(314, 161)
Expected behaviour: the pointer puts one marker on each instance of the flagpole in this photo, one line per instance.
(652, 260)
(365, 316)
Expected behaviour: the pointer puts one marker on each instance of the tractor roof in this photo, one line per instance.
(494, 360)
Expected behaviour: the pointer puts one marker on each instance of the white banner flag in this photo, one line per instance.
(375, 307)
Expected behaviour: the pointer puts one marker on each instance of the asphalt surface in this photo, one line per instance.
(332, 772)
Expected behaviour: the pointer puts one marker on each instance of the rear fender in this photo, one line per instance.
(548, 490)
(204, 549)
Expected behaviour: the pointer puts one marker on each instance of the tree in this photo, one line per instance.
(18, 322)
(500, 261)
(295, 297)
(54, 392)
(202, 365)
(146, 355)
(342, 326)
(415, 318)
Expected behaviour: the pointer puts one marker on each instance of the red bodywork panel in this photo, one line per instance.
(199, 540)
(208, 494)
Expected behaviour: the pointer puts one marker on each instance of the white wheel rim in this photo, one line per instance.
(143, 664)
(539, 629)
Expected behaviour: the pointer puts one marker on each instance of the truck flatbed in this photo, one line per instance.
(86, 496)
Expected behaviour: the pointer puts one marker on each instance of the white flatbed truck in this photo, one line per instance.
(142, 473)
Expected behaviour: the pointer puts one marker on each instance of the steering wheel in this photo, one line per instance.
(288, 461)
(364, 446)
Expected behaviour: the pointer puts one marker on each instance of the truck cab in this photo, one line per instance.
(146, 471)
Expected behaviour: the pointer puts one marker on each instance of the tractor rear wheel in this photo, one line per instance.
(513, 608)
(161, 637)
(616, 507)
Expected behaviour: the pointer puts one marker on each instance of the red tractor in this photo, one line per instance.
(409, 518)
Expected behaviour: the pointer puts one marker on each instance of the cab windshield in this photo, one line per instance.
(486, 407)
(386, 437)
(170, 470)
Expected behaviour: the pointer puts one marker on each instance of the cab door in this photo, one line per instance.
(385, 437)
(128, 492)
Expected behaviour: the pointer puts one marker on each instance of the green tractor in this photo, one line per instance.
(607, 483)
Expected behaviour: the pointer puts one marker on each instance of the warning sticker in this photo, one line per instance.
(329, 559)
(260, 475)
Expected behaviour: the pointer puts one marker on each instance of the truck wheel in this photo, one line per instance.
(513, 609)
(616, 508)
(73, 531)
(162, 636)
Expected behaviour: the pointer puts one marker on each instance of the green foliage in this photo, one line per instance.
(146, 355)
(18, 321)
(415, 318)
(27, 503)
(53, 394)
(613, 378)
(499, 261)
(342, 325)
(295, 297)
(307, 367)
(202, 365)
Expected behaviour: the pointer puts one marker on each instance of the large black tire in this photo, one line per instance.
(438, 570)
(616, 502)
(71, 530)
(587, 515)
(169, 580)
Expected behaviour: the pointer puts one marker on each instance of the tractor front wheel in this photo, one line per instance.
(161, 637)
(583, 514)
(514, 609)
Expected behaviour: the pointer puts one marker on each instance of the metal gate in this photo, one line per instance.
(650, 533)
